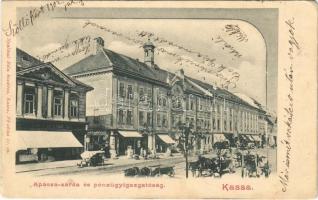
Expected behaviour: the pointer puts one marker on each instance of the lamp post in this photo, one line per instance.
(185, 131)
(85, 137)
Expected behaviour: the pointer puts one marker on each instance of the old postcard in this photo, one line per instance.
(138, 99)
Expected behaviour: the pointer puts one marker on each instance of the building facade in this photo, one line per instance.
(50, 111)
(137, 105)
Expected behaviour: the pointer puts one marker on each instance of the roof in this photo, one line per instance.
(27, 63)
(149, 43)
(107, 59)
(25, 60)
(251, 101)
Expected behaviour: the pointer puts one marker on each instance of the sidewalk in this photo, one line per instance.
(121, 161)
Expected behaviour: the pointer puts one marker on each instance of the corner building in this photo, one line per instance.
(137, 105)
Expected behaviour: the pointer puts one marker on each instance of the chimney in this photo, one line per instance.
(180, 73)
(98, 45)
(149, 53)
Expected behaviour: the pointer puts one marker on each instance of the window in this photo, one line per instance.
(57, 106)
(122, 90)
(149, 95)
(120, 117)
(141, 118)
(225, 126)
(230, 125)
(141, 94)
(192, 121)
(179, 120)
(148, 118)
(74, 107)
(213, 123)
(159, 101)
(58, 102)
(29, 100)
(158, 120)
(164, 102)
(179, 103)
(191, 105)
(129, 117)
(130, 92)
(164, 121)
(218, 124)
(218, 109)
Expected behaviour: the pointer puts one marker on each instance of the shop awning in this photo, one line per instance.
(256, 137)
(46, 139)
(166, 139)
(219, 138)
(97, 133)
(130, 134)
(250, 138)
(245, 137)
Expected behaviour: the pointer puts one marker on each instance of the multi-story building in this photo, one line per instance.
(139, 105)
(50, 111)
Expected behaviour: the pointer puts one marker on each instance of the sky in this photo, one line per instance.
(48, 34)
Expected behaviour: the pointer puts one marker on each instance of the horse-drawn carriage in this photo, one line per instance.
(150, 171)
(255, 166)
(216, 166)
(92, 158)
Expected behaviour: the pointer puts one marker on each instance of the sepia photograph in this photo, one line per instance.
(159, 100)
(140, 98)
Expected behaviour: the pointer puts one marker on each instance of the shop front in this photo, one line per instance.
(163, 142)
(34, 146)
(96, 140)
(130, 142)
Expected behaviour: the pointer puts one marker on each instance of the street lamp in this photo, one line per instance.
(185, 131)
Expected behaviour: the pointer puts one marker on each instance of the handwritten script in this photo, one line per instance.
(226, 46)
(72, 48)
(235, 30)
(206, 65)
(289, 108)
(33, 14)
